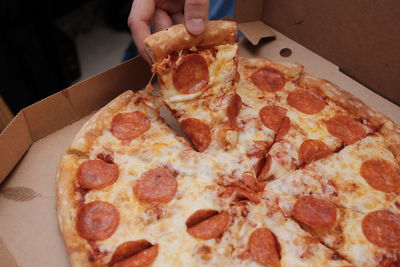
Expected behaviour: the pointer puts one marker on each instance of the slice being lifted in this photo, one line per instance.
(196, 76)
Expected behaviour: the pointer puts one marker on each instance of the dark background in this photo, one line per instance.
(38, 44)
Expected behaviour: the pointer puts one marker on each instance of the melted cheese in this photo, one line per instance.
(198, 174)
(337, 178)
(208, 105)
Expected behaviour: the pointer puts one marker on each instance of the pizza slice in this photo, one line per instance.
(196, 75)
(128, 192)
(318, 124)
(261, 235)
(350, 200)
(363, 177)
(260, 117)
(284, 126)
(364, 239)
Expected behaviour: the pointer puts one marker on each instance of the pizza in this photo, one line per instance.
(196, 76)
(277, 168)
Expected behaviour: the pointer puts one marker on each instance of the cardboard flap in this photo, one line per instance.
(65, 107)
(254, 31)
(248, 10)
(14, 141)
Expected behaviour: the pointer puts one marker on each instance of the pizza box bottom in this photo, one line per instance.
(29, 234)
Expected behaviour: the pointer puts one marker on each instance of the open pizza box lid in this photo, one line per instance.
(31, 146)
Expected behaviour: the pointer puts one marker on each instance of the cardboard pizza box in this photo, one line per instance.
(361, 37)
(31, 145)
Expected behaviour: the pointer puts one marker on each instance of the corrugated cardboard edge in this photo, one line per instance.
(65, 107)
(248, 15)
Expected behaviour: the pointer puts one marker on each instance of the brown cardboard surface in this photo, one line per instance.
(248, 10)
(362, 37)
(28, 225)
(6, 258)
(319, 66)
(14, 141)
(67, 106)
(255, 31)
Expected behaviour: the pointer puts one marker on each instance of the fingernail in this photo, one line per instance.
(196, 25)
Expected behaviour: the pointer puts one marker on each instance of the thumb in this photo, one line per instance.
(196, 14)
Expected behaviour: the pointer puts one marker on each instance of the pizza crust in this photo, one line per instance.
(78, 249)
(391, 136)
(290, 70)
(95, 125)
(175, 38)
(384, 125)
(344, 99)
(158, 46)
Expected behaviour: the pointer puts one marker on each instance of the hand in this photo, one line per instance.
(162, 14)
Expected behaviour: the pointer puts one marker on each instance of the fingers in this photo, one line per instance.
(178, 18)
(141, 13)
(196, 14)
(160, 21)
(144, 11)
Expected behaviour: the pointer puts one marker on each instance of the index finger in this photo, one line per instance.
(138, 21)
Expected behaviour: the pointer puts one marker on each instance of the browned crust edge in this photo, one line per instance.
(391, 136)
(292, 71)
(160, 44)
(95, 125)
(384, 125)
(78, 249)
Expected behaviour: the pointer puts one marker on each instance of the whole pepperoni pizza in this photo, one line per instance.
(278, 167)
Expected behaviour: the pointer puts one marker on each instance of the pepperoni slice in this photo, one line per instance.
(237, 78)
(272, 116)
(267, 166)
(268, 79)
(191, 74)
(316, 213)
(283, 130)
(156, 185)
(382, 228)
(306, 101)
(264, 248)
(345, 128)
(312, 150)
(97, 220)
(97, 174)
(241, 194)
(381, 174)
(251, 182)
(207, 224)
(198, 131)
(258, 151)
(134, 253)
(233, 110)
(127, 126)
(199, 216)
